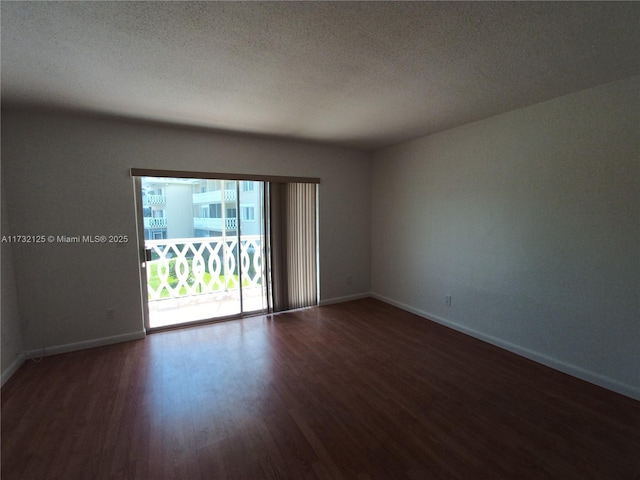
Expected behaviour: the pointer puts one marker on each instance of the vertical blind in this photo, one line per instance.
(293, 245)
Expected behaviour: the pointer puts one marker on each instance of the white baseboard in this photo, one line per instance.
(72, 347)
(15, 365)
(348, 298)
(573, 370)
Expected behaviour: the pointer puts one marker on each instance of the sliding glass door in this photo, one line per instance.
(204, 243)
(222, 246)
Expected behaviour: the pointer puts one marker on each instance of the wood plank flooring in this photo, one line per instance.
(359, 390)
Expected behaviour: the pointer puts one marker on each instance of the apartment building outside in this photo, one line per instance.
(197, 208)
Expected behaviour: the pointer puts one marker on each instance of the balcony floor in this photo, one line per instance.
(175, 311)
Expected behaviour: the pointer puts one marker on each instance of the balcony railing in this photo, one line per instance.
(154, 200)
(155, 222)
(215, 223)
(214, 196)
(194, 266)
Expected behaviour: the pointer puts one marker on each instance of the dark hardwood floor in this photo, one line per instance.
(357, 390)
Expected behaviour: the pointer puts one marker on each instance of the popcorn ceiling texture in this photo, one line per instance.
(361, 74)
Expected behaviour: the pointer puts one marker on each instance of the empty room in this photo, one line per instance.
(320, 240)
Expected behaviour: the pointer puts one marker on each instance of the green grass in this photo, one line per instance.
(210, 283)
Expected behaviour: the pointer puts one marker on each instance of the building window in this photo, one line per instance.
(248, 214)
(247, 186)
(215, 210)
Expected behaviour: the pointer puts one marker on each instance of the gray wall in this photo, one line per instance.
(10, 324)
(66, 175)
(530, 221)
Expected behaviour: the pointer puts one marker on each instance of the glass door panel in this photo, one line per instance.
(192, 239)
(252, 246)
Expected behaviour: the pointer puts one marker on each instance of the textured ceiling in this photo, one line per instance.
(361, 74)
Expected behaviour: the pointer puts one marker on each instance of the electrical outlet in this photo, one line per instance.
(447, 300)
(111, 313)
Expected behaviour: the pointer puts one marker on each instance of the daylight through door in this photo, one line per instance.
(205, 248)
